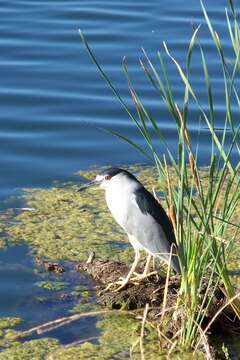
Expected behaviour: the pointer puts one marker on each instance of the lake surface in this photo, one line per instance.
(25, 293)
(53, 101)
(52, 97)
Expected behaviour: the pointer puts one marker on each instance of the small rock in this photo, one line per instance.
(55, 267)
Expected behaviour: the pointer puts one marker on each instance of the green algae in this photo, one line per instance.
(84, 306)
(81, 290)
(30, 350)
(7, 323)
(6, 218)
(119, 339)
(67, 226)
(118, 334)
(53, 285)
(3, 243)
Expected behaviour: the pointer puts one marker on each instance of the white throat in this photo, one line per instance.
(119, 191)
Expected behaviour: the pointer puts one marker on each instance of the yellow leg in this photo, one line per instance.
(145, 271)
(145, 274)
(124, 281)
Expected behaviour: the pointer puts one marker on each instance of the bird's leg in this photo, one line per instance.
(124, 281)
(145, 273)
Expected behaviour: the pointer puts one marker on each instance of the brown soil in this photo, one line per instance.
(136, 296)
(133, 296)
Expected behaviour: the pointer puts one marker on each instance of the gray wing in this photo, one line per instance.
(147, 221)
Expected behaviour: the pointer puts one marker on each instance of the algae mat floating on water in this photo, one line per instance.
(30, 350)
(119, 334)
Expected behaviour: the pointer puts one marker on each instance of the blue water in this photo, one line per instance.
(53, 100)
(21, 295)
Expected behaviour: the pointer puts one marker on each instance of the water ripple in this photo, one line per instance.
(53, 100)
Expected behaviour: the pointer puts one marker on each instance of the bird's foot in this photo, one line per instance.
(140, 277)
(122, 282)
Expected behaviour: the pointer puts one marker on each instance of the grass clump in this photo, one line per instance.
(201, 212)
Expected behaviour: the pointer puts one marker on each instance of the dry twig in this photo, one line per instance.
(142, 330)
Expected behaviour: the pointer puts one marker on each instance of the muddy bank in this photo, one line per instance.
(136, 295)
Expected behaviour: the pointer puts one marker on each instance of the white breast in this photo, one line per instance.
(117, 204)
(119, 193)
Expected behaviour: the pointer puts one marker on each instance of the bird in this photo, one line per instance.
(141, 216)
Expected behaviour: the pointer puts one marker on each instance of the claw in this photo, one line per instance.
(140, 277)
(136, 273)
(106, 288)
(122, 282)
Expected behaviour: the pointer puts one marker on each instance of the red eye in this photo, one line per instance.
(108, 177)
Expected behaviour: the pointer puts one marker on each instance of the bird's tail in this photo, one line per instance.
(174, 261)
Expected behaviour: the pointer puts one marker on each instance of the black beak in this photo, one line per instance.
(89, 184)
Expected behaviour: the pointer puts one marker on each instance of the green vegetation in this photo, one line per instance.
(53, 285)
(201, 212)
(31, 350)
(120, 335)
(8, 322)
(66, 226)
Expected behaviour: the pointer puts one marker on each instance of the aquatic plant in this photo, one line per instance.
(7, 323)
(202, 212)
(31, 350)
(52, 285)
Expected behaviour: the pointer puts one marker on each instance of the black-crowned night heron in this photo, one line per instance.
(142, 217)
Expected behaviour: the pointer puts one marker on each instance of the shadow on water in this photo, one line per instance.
(22, 294)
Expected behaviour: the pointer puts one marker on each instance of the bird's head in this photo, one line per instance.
(104, 179)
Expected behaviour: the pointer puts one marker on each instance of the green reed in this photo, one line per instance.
(200, 215)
